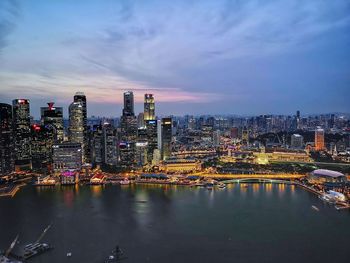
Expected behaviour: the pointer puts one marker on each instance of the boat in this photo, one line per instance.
(37, 248)
(116, 256)
(209, 186)
(125, 181)
(315, 208)
(69, 254)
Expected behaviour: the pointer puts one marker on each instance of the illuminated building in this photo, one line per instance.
(67, 156)
(149, 108)
(141, 146)
(166, 138)
(43, 138)
(53, 116)
(128, 123)
(96, 145)
(207, 132)
(110, 143)
(327, 178)
(21, 129)
(76, 123)
(98, 179)
(152, 139)
(297, 141)
(319, 139)
(80, 97)
(245, 136)
(7, 162)
(181, 166)
(69, 177)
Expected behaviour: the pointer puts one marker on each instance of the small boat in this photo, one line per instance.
(221, 185)
(315, 208)
(117, 256)
(69, 254)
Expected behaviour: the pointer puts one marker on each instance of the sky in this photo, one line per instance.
(196, 57)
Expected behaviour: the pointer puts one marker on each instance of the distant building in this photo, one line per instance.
(245, 136)
(21, 129)
(53, 116)
(216, 138)
(234, 133)
(7, 160)
(67, 156)
(149, 108)
(181, 166)
(297, 141)
(166, 138)
(319, 139)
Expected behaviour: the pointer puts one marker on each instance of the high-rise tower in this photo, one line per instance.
(7, 161)
(166, 136)
(53, 116)
(149, 108)
(319, 139)
(22, 134)
(80, 97)
(76, 123)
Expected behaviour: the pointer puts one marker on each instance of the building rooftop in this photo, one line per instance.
(329, 173)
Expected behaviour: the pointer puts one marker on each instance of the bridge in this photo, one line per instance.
(257, 180)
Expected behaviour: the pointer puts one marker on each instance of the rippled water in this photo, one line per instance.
(242, 223)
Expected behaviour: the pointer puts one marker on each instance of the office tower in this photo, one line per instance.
(166, 138)
(43, 138)
(21, 129)
(319, 139)
(141, 146)
(80, 97)
(140, 120)
(76, 123)
(159, 134)
(96, 145)
(296, 141)
(109, 145)
(53, 116)
(128, 104)
(152, 139)
(128, 123)
(67, 156)
(7, 158)
(149, 109)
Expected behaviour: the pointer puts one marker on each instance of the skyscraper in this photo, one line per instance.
(7, 161)
(166, 138)
(21, 128)
(152, 140)
(319, 139)
(53, 116)
(149, 108)
(80, 97)
(42, 140)
(128, 137)
(76, 123)
(128, 104)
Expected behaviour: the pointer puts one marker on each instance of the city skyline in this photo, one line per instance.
(214, 57)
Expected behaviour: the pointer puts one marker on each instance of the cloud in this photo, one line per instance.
(9, 11)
